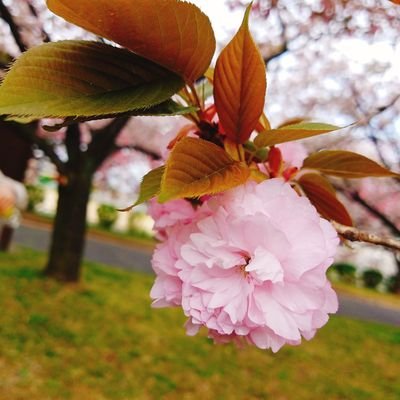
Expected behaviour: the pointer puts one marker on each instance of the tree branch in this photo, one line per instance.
(72, 144)
(367, 121)
(27, 132)
(48, 149)
(103, 141)
(152, 154)
(283, 48)
(32, 9)
(382, 109)
(269, 57)
(8, 18)
(355, 235)
(355, 196)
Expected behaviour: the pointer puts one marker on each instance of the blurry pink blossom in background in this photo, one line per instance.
(7, 201)
(385, 197)
(249, 264)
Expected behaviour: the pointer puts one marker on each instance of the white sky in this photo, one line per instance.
(225, 23)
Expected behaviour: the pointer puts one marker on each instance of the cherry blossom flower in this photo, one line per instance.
(293, 153)
(249, 265)
(170, 214)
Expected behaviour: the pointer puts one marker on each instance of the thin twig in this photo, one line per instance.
(384, 108)
(367, 121)
(355, 235)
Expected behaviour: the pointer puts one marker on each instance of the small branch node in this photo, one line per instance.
(355, 235)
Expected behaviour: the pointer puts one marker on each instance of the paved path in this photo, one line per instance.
(127, 257)
(99, 250)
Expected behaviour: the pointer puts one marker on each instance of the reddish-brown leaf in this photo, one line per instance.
(322, 195)
(291, 121)
(240, 85)
(172, 33)
(346, 164)
(288, 133)
(263, 124)
(196, 167)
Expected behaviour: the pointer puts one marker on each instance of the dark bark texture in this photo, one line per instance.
(69, 231)
(396, 283)
(68, 238)
(14, 152)
(6, 238)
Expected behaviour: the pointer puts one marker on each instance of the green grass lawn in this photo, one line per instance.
(371, 295)
(101, 340)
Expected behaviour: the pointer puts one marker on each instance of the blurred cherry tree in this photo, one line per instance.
(334, 61)
(339, 61)
(77, 151)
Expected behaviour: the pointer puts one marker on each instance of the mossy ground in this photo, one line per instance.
(101, 340)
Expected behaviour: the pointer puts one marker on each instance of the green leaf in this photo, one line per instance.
(149, 188)
(346, 164)
(240, 85)
(83, 79)
(19, 120)
(196, 167)
(291, 121)
(4, 58)
(172, 33)
(166, 108)
(323, 196)
(293, 132)
(150, 185)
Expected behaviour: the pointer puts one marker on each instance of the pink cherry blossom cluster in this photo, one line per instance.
(249, 264)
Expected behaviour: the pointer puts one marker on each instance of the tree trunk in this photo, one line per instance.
(396, 284)
(14, 155)
(6, 234)
(68, 238)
